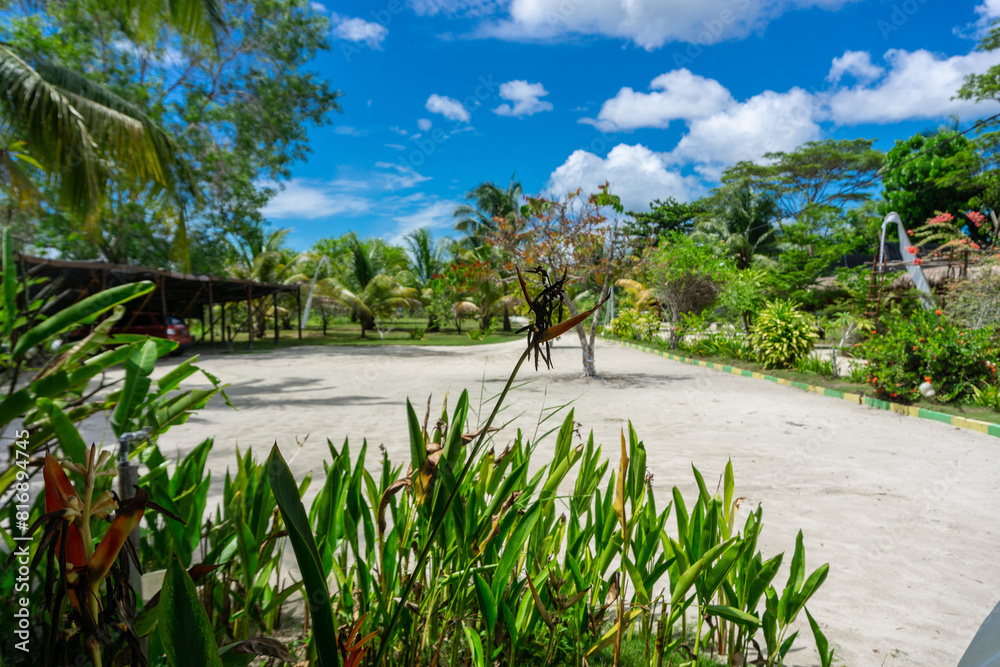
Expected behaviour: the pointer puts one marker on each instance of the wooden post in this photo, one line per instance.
(225, 340)
(163, 298)
(275, 301)
(250, 316)
(211, 317)
(298, 303)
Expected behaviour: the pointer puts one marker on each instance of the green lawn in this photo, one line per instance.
(343, 332)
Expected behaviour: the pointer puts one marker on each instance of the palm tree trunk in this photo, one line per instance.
(506, 319)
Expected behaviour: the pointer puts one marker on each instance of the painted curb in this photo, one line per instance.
(909, 410)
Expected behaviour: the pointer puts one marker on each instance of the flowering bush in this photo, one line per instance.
(782, 334)
(924, 346)
(630, 323)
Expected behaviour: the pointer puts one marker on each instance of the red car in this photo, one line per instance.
(153, 324)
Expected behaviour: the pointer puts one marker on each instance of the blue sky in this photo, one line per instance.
(655, 96)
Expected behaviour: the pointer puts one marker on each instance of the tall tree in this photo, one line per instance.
(488, 202)
(238, 111)
(927, 174)
(829, 173)
(575, 236)
(742, 223)
(985, 87)
(426, 260)
(68, 127)
(372, 286)
(663, 217)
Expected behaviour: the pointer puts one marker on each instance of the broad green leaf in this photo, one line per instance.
(185, 631)
(89, 307)
(418, 448)
(512, 549)
(741, 618)
(688, 577)
(69, 437)
(822, 644)
(475, 646)
(486, 603)
(286, 494)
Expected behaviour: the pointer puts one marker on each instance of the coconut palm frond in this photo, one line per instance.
(14, 180)
(199, 20)
(70, 124)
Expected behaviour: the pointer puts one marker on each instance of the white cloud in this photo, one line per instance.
(318, 7)
(765, 123)
(636, 174)
(649, 23)
(989, 10)
(525, 97)
(856, 63)
(424, 124)
(358, 30)
(399, 130)
(469, 8)
(400, 176)
(450, 108)
(918, 85)
(309, 199)
(348, 130)
(435, 215)
(677, 95)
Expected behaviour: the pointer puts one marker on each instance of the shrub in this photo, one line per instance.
(417, 333)
(987, 396)
(720, 345)
(632, 324)
(925, 345)
(782, 334)
(808, 364)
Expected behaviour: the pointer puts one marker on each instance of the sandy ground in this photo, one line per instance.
(904, 510)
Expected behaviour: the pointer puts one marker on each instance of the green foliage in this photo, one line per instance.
(741, 224)
(987, 396)
(633, 325)
(810, 364)
(818, 174)
(216, 118)
(522, 574)
(744, 295)
(719, 344)
(664, 218)
(926, 175)
(782, 334)
(924, 345)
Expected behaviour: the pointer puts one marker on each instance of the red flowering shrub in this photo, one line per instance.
(924, 346)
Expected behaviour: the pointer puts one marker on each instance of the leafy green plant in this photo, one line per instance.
(926, 346)
(987, 396)
(782, 334)
(810, 364)
(721, 344)
(417, 333)
(634, 325)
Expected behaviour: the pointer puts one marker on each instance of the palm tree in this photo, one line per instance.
(77, 131)
(271, 263)
(742, 224)
(426, 260)
(373, 285)
(489, 201)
